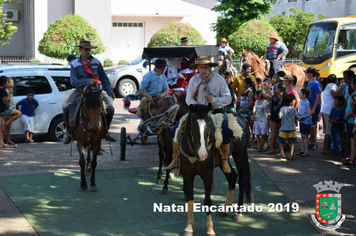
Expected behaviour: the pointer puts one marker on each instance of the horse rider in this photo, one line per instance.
(87, 70)
(276, 53)
(225, 51)
(208, 87)
(153, 87)
(184, 41)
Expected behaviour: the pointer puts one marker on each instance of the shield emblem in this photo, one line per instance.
(328, 208)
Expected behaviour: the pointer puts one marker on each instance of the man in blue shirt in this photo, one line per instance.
(87, 70)
(153, 87)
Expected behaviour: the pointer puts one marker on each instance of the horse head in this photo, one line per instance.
(183, 106)
(201, 129)
(91, 109)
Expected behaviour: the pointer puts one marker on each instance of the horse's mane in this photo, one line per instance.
(92, 100)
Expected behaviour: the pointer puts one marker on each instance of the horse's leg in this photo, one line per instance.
(81, 150)
(189, 180)
(96, 149)
(231, 180)
(88, 168)
(243, 170)
(169, 153)
(161, 157)
(208, 181)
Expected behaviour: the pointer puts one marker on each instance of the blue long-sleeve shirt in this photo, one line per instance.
(79, 78)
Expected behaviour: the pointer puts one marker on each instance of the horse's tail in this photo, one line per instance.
(248, 184)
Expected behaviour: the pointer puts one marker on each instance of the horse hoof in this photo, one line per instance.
(85, 187)
(93, 189)
(210, 233)
(237, 217)
(221, 214)
(171, 176)
(188, 233)
(159, 181)
(164, 191)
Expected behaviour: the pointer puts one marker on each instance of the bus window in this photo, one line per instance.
(320, 40)
(346, 41)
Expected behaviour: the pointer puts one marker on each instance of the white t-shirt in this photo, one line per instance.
(328, 100)
(261, 112)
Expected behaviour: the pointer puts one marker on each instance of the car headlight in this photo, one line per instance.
(326, 66)
(139, 70)
(110, 72)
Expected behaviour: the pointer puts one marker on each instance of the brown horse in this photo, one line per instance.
(226, 66)
(89, 132)
(258, 68)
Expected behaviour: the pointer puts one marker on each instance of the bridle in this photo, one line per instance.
(84, 121)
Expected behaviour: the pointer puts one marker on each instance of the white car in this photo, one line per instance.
(50, 83)
(126, 79)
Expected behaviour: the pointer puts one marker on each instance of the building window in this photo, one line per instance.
(127, 24)
(292, 1)
(311, 0)
(279, 2)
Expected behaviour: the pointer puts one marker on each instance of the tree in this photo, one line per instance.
(7, 29)
(293, 29)
(233, 13)
(171, 33)
(252, 36)
(62, 36)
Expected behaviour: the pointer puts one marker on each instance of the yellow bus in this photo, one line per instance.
(330, 46)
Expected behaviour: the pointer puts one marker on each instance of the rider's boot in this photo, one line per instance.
(174, 163)
(69, 120)
(225, 152)
(107, 119)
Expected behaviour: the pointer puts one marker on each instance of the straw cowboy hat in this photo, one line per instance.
(223, 40)
(85, 44)
(204, 60)
(274, 36)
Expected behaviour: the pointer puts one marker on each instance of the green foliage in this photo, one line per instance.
(251, 36)
(233, 13)
(108, 62)
(123, 62)
(172, 32)
(35, 61)
(293, 29)
(62, 36)
(6, 29)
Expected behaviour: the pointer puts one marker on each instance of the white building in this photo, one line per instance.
(125, 27)
(329, 8)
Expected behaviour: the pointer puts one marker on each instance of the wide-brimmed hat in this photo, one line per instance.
(160, 62)
(223, 40)
(274, 36)
(85, 44)
(289, 78)
(204, 60)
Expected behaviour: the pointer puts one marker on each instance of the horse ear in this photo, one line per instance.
(208, 107)
(192, 108)
(243, 51)
(99, 92)
(82, 92)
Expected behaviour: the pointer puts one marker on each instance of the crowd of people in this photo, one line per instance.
(277, 107)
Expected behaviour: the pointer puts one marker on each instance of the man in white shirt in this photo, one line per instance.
(209, 87)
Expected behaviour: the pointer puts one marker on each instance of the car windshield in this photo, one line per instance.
(320, 40)
(136, 61)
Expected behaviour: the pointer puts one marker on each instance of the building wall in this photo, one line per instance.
(17, 42)
(58, 9)
(340, 8)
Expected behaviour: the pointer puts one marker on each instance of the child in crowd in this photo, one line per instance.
(231, 107)
(288, 114)
(28, 107)
(9, 90)
(274, 121)
(5, 110)
(305, 121)
(259, 84)
(337, 120)
(260, 128)
(246, 104)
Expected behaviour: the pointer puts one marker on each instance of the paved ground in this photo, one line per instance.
(294, 178)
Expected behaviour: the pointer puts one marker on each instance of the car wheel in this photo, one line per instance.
(125, 87)
(58, 129)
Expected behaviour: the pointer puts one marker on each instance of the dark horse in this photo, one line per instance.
(198, 142)
(164, 137)
(89, 132)
(259, 70)
(226, 66)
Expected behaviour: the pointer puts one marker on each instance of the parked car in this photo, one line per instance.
(126, 79)
(50, 83)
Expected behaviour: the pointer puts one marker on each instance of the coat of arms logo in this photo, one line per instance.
(328, 205)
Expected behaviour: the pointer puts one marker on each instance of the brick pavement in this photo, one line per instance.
(294, 178)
